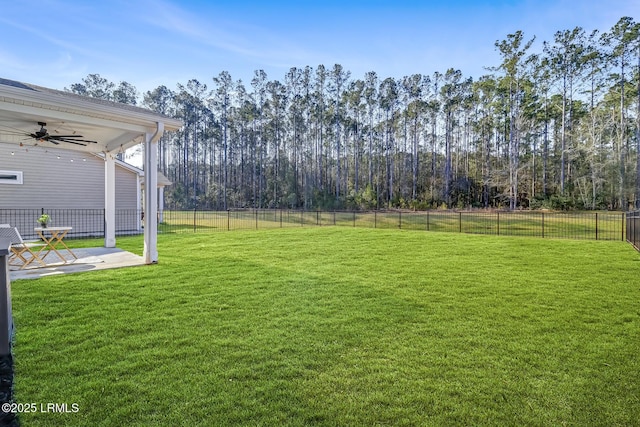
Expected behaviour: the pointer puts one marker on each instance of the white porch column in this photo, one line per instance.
(109, 201)
(150, 252)
(139, 206)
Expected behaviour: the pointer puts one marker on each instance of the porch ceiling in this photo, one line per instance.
(114, 127)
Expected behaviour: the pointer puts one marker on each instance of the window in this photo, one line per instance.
(10, 177)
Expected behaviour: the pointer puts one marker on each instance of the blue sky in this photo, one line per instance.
(55, 43)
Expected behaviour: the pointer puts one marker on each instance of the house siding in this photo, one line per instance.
(56, 179)
(52, 182)
(126, 189)
(127, 215)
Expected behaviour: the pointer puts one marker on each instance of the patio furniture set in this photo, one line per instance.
(34, 253)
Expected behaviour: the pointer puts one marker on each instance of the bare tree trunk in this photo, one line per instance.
(545, 155)
(487, 167)
(637, 201)
(416, 153)
(447, 160)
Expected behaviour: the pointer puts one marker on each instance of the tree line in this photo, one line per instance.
(559, 129)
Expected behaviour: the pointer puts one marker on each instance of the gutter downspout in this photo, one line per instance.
(159, 132)
(150, 251)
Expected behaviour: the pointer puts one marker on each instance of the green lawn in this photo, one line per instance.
(338, 326)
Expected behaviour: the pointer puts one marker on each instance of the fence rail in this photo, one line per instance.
(572, 225)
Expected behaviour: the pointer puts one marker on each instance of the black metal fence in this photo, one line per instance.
(572, 225)
(633, 229)
(85, 222)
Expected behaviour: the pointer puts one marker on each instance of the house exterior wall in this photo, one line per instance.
(60, 181)
(127, 201)
(52, 182)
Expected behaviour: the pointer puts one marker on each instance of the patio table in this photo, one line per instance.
(52, 237)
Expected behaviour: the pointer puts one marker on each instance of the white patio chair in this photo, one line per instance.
(21, 253)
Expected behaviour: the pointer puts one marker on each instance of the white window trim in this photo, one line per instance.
(17, 174)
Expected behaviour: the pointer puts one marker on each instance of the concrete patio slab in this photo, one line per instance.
(89, 259)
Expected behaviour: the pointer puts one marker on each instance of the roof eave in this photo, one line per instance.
(85, 106)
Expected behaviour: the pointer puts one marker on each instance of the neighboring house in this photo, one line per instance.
(69, 186)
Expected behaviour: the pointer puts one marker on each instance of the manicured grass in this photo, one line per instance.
(338, 326)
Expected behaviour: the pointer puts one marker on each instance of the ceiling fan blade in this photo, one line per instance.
(43, 135)
(70, 141)
(75, 140)
(66, 138)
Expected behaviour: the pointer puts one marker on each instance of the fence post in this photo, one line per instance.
(354, 219)
(627, 223)
(623, 221)
(256, 219)
(317, 217)
(543, 225)
(427, 220)
(194, 220)
(375, 219)
(280, 218)
(460, 221)
(498, 223)
(228, 219)
(334, 217)
(400, 220)
(596, 225)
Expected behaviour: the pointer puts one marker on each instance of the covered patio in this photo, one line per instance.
(88, 125)
(89, 259)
